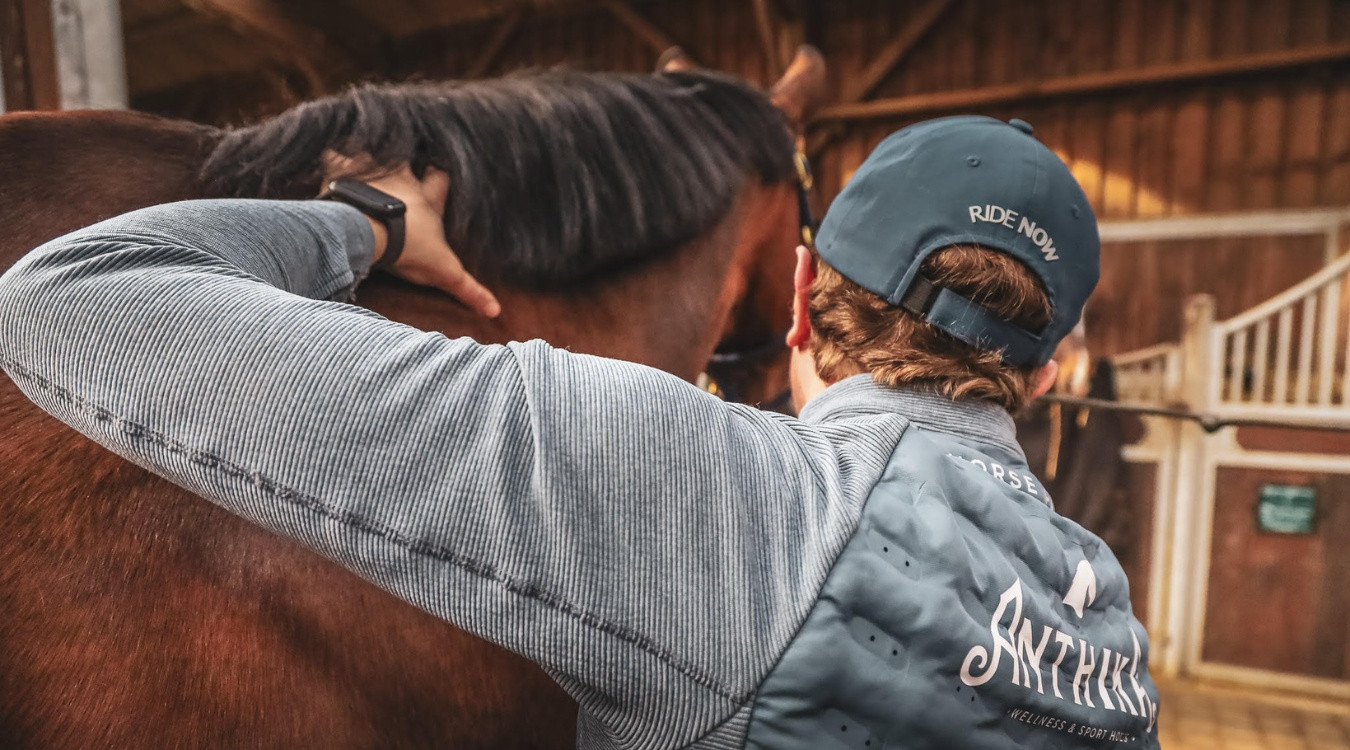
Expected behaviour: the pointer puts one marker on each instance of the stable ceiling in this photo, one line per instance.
(174, 43)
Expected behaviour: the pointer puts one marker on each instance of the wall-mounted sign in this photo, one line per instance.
(1286, 509)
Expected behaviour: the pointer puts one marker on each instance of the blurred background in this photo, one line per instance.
(1212, 137)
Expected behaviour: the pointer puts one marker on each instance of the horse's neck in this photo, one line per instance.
(71, 169)
(668, 314)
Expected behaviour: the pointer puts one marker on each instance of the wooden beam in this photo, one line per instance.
(645, 30)
(171, 26)
(916, 28)
(496, 44)
(764, 25)
(28, 66)
(265, 20)
(1093, 83)
(362, 45)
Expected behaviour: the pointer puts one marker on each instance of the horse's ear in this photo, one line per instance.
(802, 88)
(675, 59)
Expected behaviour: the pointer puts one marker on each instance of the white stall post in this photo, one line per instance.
(1201, 380)
(90, 62)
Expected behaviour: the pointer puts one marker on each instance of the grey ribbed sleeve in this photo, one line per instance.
(652, 547)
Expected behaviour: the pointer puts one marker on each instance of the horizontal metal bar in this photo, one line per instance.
(1208, 422)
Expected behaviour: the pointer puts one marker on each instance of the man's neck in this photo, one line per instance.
(806, 381)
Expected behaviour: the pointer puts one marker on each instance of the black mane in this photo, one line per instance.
(556, 177)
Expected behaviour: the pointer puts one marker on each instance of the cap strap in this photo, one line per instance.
(972, 323)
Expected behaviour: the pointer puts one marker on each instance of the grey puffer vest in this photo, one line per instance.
(964, 613)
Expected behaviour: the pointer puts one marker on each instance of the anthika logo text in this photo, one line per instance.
(1098, 671)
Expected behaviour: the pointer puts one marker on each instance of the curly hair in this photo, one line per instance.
(854, 331)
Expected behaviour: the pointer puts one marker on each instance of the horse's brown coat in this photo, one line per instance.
(133, 614)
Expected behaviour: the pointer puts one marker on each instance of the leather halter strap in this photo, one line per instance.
(722, 366)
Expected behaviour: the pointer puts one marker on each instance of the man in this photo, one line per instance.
(883, 572)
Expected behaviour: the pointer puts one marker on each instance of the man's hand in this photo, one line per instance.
(427, 258)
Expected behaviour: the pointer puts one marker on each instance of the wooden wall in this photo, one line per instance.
(1279, 601)
(1275, 138)
(1243, 142)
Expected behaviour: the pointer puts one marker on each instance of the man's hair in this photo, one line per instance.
(854, 331)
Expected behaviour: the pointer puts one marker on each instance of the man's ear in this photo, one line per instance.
(1045, 380)
(800, 334)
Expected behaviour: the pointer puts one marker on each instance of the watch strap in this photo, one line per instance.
(393, 248)
(377, 205)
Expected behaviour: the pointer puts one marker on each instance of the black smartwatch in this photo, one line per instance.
(379, 206)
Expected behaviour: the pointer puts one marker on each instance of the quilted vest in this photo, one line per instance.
(963, 614)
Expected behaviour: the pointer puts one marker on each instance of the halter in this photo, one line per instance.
(723, 364)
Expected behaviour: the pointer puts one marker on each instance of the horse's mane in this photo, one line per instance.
(556, 177)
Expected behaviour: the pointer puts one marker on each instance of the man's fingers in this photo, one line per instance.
(436, 188)
(464, 287)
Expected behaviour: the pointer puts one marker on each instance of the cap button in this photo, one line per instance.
(1021, 125)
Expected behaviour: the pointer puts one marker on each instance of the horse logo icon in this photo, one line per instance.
(1083, 590)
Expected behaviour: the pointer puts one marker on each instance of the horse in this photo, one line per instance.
(631, 216)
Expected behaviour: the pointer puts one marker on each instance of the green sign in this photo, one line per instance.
(1285, 509)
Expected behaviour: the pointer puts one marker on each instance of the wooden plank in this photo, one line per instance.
(1119, 167)
(1265, 139)
(1283, 577)
(1197, 24)
(655, 39)
(1001, 60)
(1231, 32)
(1189, 162)
(1334, 186)
(882, 65)
(1327, 341)
(1153, 157)
(1090, 150)
(1089, 38)
(1260, 360)
(363, 45)
(28, 62)
(1283, 345)
(1270, 23)
(1306, 342)
(502, 34)
(1126, 36)
(307, 49)
(764, 28)
(965, 50)
(1237, 365)
(1303, 152)
(1225, 185)
(1062, 21)
(173, 26)
(1095, 83)
(1161, 43)
(1345, 370)
(1312, 22)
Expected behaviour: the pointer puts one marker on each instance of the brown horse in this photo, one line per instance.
(133, 614)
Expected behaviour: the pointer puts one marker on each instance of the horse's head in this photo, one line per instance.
(616, 214)
(751, 361)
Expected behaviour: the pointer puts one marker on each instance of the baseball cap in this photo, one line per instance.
(966, 181)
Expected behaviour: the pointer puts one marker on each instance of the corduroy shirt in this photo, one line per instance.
(653, 548)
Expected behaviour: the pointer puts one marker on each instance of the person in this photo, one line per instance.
(884, 571)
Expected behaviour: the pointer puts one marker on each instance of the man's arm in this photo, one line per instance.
(638, 538)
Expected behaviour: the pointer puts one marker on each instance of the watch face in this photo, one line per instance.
(374, 202)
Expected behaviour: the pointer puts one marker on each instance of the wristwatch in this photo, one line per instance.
(379, 206)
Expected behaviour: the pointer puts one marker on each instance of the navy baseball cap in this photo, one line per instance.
(966, 181)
